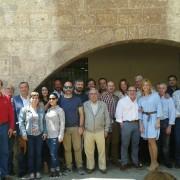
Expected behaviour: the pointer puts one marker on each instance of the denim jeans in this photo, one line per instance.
(177, 140)
(10, 159)
(34, 153)
(164, 141)
(3, 150)
(53, 148)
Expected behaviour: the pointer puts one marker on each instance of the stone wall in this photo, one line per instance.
(39, 36)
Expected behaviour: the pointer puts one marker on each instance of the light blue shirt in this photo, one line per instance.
(168, 109)
(176, 98)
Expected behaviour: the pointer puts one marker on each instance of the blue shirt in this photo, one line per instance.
(71, 109)
(176, 98)
(168, 109)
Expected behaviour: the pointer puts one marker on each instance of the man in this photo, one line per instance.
(58, 87)
(138, 85)
(96, 129)
(102, 83)
(112, 141)
(9, 91)
(74, 123)
(176, 98)
(127, 116)
(20, 101)
(79, 90)
(172, 84)
(6, 129)
(167, 120)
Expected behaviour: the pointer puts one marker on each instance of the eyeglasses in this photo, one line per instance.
(68, 87)
(52, 98)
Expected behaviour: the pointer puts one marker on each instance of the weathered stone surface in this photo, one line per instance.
(38, 36)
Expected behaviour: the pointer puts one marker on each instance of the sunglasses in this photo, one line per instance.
(68, 87)
(52, 98)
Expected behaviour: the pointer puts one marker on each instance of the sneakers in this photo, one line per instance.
(31, 176)
(81, 171)
(38, 175)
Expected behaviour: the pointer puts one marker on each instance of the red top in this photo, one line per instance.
(6, 111)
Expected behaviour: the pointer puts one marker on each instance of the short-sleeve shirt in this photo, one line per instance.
(71, 109)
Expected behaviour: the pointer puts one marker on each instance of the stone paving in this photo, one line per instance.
(114, 173)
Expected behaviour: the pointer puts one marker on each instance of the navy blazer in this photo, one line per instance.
(18, 104)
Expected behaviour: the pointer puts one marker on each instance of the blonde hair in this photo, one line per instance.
(34, 93)
(149, 83)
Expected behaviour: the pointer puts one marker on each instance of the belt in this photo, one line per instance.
(149, 113)
(133, 121)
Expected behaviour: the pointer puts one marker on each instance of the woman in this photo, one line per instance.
(33, 130)
(44, 97)
(123, 87)
(55, 122)
(44, 100)
(150, 111)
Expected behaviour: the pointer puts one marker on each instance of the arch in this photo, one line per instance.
(61, 63)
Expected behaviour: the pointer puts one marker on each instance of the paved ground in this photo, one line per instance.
(114, 173)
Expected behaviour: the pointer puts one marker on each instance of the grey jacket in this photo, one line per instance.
(98, 122)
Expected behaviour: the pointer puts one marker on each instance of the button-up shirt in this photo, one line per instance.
(25, 101)
(6, 111)
(111, 102)
(168, 109)
(176, 98)
(126, 110)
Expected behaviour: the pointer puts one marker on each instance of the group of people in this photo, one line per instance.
(74, 125)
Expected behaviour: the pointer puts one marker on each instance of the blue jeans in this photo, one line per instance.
(177, 140)
(53, 148)
(3, 150)
(34, 153)
(10, 160)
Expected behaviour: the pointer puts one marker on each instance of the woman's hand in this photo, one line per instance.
(141, 128)
(157, 126)
(44, 136)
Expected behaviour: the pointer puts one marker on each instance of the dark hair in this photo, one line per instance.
(24, 82)
(54, 94)
(102, 78)
(89, 80)
(40, 93)
(123, 80)
(172, 76)
(78, 80)
(1, 82)
(57, 79)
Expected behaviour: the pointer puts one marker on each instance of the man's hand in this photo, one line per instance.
(121, 124)
(168, 130)
(80, 130)
(10, 132)
(105, 134)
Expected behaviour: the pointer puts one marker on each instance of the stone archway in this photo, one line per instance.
(69, 59)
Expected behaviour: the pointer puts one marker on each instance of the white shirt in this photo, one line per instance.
(25, 101)
(126, 110)
(94, 107)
